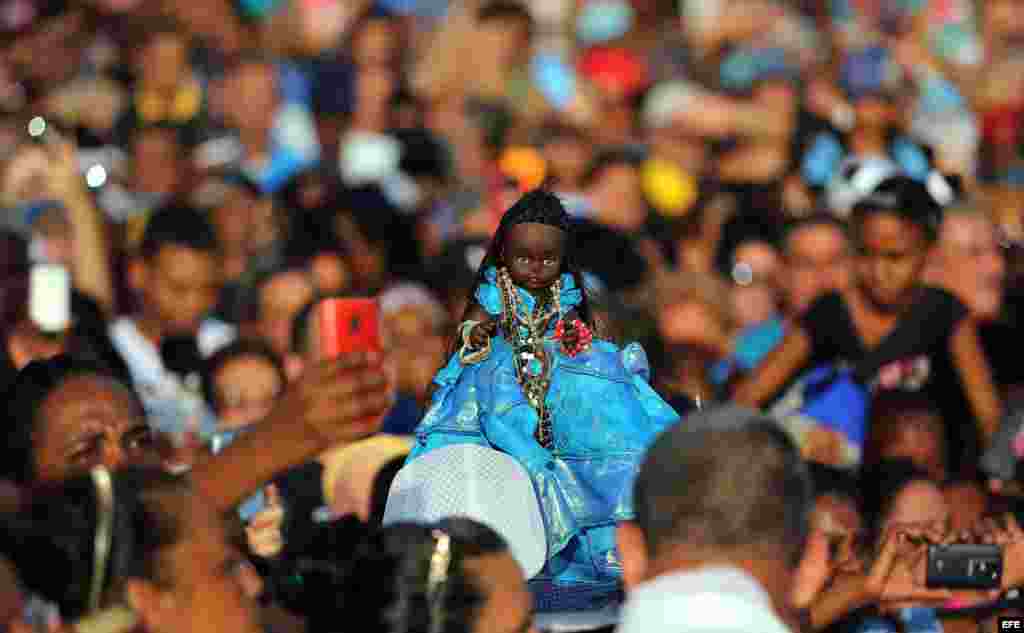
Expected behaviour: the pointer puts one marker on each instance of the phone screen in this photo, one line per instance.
(49, 303)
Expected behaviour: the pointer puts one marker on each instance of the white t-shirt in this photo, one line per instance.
(707, 600)
(169, 404)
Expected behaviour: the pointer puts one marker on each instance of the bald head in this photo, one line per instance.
(726, 478)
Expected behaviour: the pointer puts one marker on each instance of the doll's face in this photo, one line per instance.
(533, 254)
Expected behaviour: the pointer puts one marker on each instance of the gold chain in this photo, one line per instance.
(527, 352)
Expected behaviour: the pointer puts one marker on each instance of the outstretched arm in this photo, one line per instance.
(976, 378)
(776, 370)
(91, 262)
(335, 403)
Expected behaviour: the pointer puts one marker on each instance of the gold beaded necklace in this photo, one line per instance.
(526, 334)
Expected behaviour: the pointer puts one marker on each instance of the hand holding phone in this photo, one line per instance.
(346, 394)
(898, 572)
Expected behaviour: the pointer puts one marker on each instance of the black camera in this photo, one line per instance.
(965, 566)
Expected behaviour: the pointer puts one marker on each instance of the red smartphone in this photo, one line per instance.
(349, 325)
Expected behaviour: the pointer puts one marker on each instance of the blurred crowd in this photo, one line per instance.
(181, 181)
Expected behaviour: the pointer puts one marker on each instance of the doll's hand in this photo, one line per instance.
(483, 332)
(574, 334)
(570, 334)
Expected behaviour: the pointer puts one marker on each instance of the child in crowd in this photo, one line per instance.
(887, 326)
(532, 377)
(241, 383)
(873, 88)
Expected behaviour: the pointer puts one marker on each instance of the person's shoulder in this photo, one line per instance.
(830, 298)
(933, 295)
(941, 302)
(827, 305)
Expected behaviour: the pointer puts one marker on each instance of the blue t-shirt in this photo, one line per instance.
(752, 346)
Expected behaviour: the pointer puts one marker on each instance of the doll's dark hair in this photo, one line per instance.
(537, 207)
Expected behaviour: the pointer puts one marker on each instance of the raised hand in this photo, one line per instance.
(64, 180)
(898, 573)
(341, 400)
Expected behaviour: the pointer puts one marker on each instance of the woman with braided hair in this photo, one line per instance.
(530, 376)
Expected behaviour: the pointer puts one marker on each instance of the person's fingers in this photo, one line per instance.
(352, 360)
(918, 558)
(914, 532)
(356, 403)
(344, 387)
(920, 593)
(389, 367)
(377, 404)
(329, 370)
(988, 531)
(910, 589)
(883, 563)
(937, 532)
(355, 409)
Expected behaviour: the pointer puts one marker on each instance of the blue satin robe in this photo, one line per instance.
(604, 416)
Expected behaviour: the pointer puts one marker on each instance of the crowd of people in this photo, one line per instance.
(696, 314)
